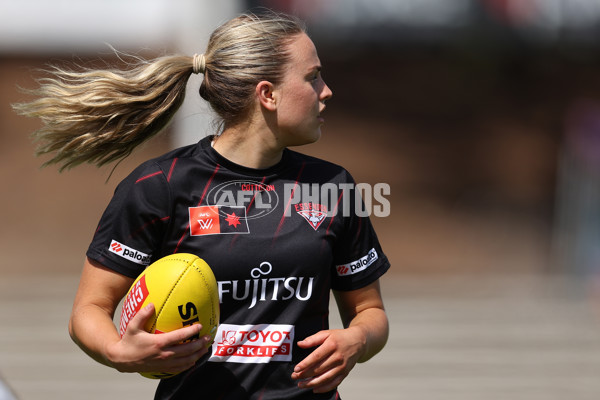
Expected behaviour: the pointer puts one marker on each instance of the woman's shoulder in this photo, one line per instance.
(311, 160)
(318, 164)
(180, 153)
(162, 164)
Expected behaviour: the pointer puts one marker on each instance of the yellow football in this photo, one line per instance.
(183, 289)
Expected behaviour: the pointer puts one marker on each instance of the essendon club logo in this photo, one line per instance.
(313, 213)
(217, 220)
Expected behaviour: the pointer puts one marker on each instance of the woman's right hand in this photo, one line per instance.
(170, 352)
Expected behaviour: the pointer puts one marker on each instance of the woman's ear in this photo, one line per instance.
(265, 93)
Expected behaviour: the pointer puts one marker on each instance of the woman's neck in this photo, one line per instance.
(252, 148)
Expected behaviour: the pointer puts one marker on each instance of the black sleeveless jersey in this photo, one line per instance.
(278, 240)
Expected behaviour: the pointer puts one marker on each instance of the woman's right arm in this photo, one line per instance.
(91, 327)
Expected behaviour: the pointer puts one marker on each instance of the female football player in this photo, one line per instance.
(254, 210)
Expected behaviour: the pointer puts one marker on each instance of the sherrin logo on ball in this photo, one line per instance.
(184, 292)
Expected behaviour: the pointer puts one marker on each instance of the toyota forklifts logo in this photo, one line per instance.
(261, 343)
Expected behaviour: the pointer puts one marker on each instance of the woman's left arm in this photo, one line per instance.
(338, 350)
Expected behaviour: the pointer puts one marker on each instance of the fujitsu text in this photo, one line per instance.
(266, 289)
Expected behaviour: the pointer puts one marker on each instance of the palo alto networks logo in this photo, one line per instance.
(342, 270)
(257, 198)
(129, 253)
(359, 265)
(116, 247)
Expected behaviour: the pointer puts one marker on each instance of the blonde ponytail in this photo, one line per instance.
(100, 116)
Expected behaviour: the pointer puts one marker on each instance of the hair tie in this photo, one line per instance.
(199, 64)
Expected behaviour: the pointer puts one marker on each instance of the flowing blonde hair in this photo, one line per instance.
(100, 116)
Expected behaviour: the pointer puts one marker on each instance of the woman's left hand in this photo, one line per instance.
(327, 366)
(338, 350)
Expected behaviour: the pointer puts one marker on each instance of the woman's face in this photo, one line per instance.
(301, 95)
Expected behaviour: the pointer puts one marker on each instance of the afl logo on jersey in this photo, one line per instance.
(257, 198)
